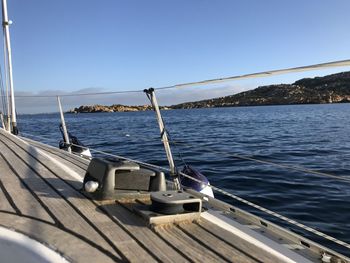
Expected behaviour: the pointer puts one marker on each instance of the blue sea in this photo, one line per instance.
(311, 136)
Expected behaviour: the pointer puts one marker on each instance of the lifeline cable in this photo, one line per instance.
(80, 94)
(265, 210)
(288, 167)
(340, 63)
(247, 158)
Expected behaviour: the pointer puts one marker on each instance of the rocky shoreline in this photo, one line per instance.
(112, 108)
(333, 88)
(320, 90)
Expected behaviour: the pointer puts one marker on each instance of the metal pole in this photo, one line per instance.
(8, 116)
(63, 122)
(164, 136)
(2, 121)
(8, 124)
(6, 23)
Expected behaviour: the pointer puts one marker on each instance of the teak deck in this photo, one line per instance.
(40, 197)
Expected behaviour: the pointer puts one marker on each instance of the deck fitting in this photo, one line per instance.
(171, 207)
(117, 179)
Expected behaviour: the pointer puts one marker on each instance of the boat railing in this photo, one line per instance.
(230, 195)
(201, 146)
(168, 141)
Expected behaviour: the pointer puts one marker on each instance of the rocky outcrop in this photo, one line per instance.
(329, 89)
(112, 108)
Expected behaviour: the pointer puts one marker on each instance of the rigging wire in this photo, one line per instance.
(136, 139)
(340, 63)
(177, 150)
(230, 155)
(265, 210)
(3, 97)
(272, 213)
(80, 94)
(248, 158)
(165, 130)
(220, 80)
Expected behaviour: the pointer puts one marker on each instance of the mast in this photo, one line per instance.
(6, 27)
(8, 112)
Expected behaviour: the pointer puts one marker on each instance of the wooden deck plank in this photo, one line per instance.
(21, 196)
(187, 245)
(57, 206)
(237, 242)
(145, 235)
(117, 236)
(5, 204)
(137, 227)
(231, 253)
(64, 161)
(113, 229)
(73, 248)
(74, 160)
(72, 157)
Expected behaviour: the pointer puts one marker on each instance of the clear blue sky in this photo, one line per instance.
(111, 44)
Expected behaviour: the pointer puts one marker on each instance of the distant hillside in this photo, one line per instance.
(329, 89)
(112, 108)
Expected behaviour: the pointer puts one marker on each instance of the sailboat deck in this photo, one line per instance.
(40, 197)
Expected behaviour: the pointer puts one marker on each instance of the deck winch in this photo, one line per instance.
(168, 207)
(174, 202)
(113, 179)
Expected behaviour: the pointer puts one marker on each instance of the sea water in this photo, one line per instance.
(315, 137)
